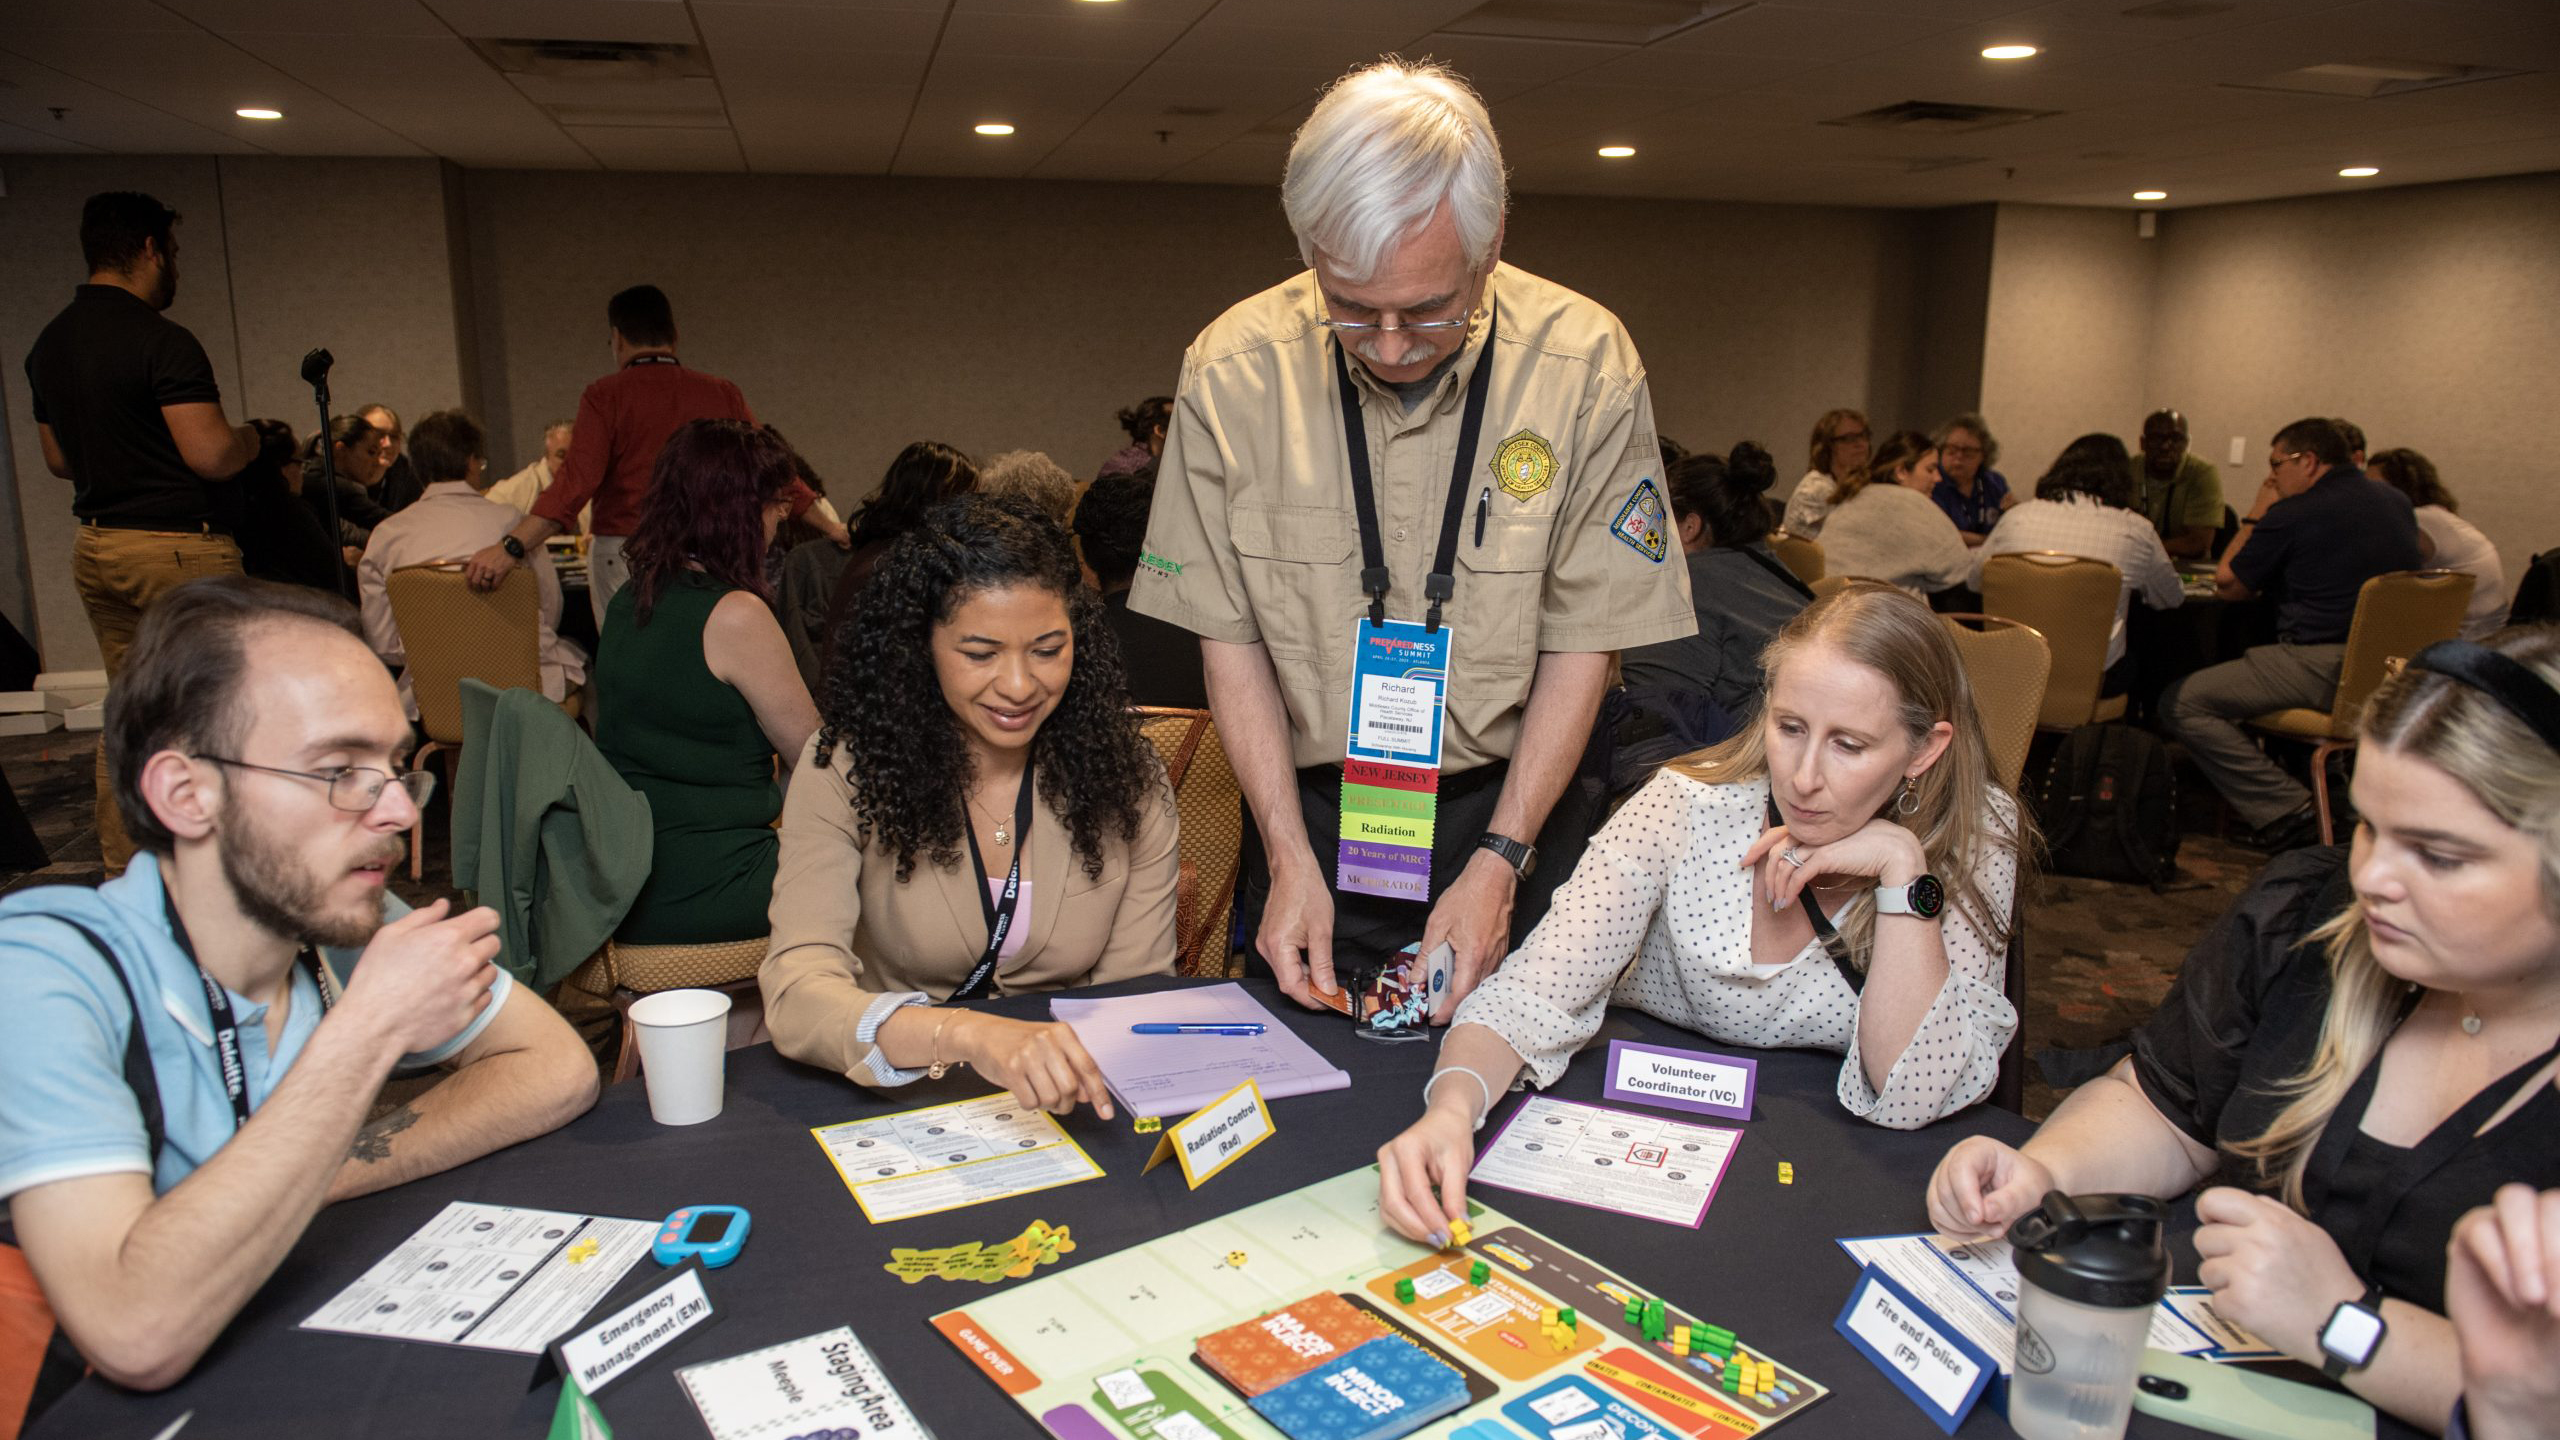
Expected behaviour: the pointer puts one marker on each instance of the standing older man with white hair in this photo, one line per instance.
(1407, 572)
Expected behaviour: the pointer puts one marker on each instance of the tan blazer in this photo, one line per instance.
(846, 933)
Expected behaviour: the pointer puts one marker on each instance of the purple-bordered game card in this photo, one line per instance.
(1647, 1166)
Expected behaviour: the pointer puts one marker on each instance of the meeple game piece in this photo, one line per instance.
(1460, 1233)
(1404, 1291)
(1478, 1273)
(1786, 1173)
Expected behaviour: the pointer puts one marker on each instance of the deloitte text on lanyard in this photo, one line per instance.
(999, 906)
(226, 1030)
(1399, 677)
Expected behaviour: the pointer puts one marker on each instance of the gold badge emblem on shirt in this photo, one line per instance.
(1524, 465)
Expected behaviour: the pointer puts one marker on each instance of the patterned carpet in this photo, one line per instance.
(2099, 955)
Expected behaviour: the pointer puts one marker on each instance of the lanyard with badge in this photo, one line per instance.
(1399, 676)
(226, 1028)
(998, 906)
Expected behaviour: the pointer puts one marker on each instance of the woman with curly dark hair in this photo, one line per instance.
(1017, 836)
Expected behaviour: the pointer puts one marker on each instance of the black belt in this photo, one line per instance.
(165, 527)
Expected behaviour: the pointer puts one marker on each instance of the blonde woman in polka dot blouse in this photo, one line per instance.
(1864, 776)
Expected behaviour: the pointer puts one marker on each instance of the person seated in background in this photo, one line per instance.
(2316, 532)
(908, 820)
(1742, 592)
(2361, 1049)
(280, 538)
(399, 487)
(695, 689)
(1162, 660)
(1838, 876)
(526, 485)
(2446, 541)
(1973, 494)
(2084, 507)
(1883, 526)
(2179, 491)
(450, 521)
(1840, 445)
(1144, 422)
(2502, 1293)
(355, 457)
(925, 473)
(258, 753)
(2354, 435)
(1034, 477)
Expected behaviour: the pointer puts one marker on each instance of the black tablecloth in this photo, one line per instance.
(1764, 1262)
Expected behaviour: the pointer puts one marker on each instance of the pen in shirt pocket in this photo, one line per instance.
(1484, 499)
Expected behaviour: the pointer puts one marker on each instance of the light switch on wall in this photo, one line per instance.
(2239, 449)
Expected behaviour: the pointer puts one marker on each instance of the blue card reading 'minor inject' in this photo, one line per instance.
(1383, 1389)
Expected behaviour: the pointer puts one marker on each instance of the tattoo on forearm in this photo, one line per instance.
(373, 1138)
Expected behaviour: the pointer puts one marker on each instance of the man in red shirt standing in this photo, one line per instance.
(623, 421)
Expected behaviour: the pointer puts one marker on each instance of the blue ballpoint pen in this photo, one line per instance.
(1167, 1028)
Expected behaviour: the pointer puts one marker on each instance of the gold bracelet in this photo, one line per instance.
(939, 1067)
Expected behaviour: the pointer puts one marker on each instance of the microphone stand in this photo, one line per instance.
(315, 368)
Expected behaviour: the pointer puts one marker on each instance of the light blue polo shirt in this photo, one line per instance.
(65, 1110)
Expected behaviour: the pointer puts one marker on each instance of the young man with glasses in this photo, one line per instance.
(188, 1053)
(2316, 532)
(1413, 431)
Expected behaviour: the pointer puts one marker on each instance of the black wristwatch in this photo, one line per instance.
(513, 546)
(2352, 1334)
(1523, 859)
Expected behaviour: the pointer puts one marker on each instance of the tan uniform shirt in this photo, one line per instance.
(1254, 535)
(851, 942)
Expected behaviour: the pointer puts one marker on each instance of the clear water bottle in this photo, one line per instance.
(2092, 1267)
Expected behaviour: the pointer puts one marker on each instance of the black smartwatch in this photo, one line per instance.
(2352, 1334)
(513, 546)
(1523, 859)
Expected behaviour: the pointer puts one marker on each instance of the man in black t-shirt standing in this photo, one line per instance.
(128, 412)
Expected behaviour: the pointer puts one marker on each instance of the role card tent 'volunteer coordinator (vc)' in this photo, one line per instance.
(1501, 417)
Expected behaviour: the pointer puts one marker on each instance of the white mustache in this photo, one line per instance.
(1368, 350)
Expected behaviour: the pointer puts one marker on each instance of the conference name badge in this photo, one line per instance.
(1391, 766)
(1943, 1372)
(1214, 1136)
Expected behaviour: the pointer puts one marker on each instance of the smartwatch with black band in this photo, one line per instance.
(513, 546)
(2352, 1334)
(1523, 859)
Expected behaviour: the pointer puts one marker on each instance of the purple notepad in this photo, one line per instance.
(1170, 1075)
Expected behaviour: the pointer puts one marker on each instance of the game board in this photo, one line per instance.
(1103, 1350)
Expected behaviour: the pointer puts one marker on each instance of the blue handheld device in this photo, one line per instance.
(714, 1232)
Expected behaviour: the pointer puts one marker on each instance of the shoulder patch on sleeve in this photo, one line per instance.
(1640, 524)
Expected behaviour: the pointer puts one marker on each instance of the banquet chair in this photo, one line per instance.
(2006, 664)
(2072, 602)
(621, 974)
(1211, 805)
(453, 633)
(1800, 555)
(1828, 585)
(2397, 615)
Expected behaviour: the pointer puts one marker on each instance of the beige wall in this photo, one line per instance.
(2429, 315)
(274, 256)
(2067, 331)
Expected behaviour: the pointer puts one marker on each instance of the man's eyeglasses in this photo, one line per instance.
(1406, 327)
(1959, 449)
(355, 788)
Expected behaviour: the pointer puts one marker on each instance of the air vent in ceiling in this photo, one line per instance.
(1939, 117)
(618, 60)
(1605, 22)
(2180, 9)
(2372, 79)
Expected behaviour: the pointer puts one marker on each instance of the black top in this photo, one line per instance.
(399, 487)
(1743, 595)
(1162, 659)
(2245, 1015)
(99, 374)
(281, 538)
(2315, 550)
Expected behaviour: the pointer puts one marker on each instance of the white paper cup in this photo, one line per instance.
(684, 1048)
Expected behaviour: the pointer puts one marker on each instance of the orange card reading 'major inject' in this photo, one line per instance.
(1285, 1344)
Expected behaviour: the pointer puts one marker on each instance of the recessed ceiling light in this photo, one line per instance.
(2359, 172)
(2150, 194)
(995, 128)
(1616, 152)
(253, 112)
(2007, 52)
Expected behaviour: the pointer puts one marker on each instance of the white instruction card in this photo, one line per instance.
(942, 1157)
(490, 1277)
(1641, 1165)
(1973, 1286)
(823, 1385)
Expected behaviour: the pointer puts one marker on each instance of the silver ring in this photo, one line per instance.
(1791, 857)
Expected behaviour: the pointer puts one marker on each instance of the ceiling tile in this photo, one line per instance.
(658, 21)
(379, 18)
(808, 31)
(658, 148)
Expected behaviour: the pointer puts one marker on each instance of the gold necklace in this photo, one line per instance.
(1003, 836)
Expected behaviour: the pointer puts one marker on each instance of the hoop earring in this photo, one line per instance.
(1909, 802)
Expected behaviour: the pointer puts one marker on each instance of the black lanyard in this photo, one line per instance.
(2414, 1166)
(1374, 580)
(1833, 944)
(226, 1029)
(999, 911)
